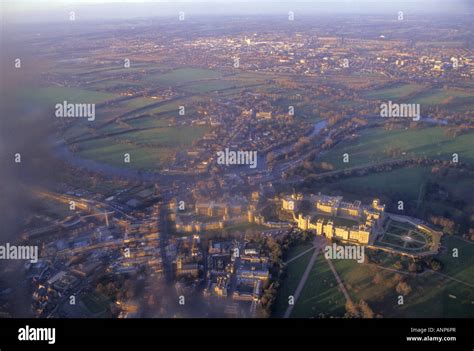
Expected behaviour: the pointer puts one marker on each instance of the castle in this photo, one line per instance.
(334, 218)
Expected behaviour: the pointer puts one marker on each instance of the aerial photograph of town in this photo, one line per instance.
(241, 159)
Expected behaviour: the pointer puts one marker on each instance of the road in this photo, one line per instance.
(339, 281)
(164, 240)
(301, 254)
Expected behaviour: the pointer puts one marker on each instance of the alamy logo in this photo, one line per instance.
(75, 110)
(345, 252)
(228, 157)
(392, 109)
(13, 252)
(37, 334)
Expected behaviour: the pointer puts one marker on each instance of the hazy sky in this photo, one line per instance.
(52, 10)
(224, 1)
(288, 2)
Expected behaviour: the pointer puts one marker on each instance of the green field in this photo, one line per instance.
(148, 149)
(406, 181)
(338, 221)
(397, 92)
(430, 295)
(140, 102)
(372, 145)
(95, 304)
(461, 267)
(112, 84)
(298, 249)
(112, 154)
(181, 136)
(458, 98)
(321, 293)
(184, 75)
(294, 271)
(439, 96)
(214, 85)
(358, 280)
(151, 122)
(462, 188)
(51, 96)
(433, 296)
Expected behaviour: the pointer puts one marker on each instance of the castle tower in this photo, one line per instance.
(250, 216)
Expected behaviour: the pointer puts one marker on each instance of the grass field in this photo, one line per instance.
(406, 181)
(461, 267)
(439, 96)
(50, 96)
(462, 188)
(95, 304)
(112, 83)
(394, 93)
(338, 221)
(112, 154)
(459, 98)
(295, 251)
(321, 293)
(358, 280)
(214, 85)
(432, 295)
(164, 142)
(294, 271)
(140, 102)
(372, 145)
(181, 136)
(151, 122)
(184, 75)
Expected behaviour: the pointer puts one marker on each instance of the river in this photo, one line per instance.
(62, 152)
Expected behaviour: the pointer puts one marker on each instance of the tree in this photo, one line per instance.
(271, 157)
(377, 279)
(435, 265)
(351, 309)
(412, 267)
(403, 288)
(326, 166)
(366, 310)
